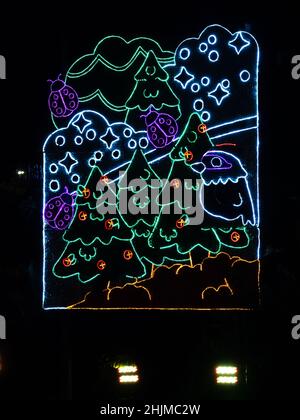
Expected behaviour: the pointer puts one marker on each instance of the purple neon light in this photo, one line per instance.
(63, 100)
(161, 128)
(224, 163)
(59, 211)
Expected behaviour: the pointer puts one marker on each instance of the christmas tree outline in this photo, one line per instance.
(178, 168)
(139, 159)
(97, 243)
(154, 76)
(194, 138)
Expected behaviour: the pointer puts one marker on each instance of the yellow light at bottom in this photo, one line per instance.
(128, 379)
(127, 369)
(226, 370)
(227, 379)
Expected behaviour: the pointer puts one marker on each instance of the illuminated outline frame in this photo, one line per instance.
(257, 214)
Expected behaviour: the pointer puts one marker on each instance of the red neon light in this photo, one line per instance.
(109, 224)
(67, 261)
(180, 223)
(175, 183)
(226, 144)
(104, 179)
(82, 215)
(86, 192)
(188, 155)
(127, 254)
(101, 265)
(202, 128)
(235, 236)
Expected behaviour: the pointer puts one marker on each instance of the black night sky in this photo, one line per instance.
(68, 355)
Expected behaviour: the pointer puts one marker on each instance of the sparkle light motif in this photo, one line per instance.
(239, 42)
(109, 138)
(81, 123)
(175, 120)
(184, 77)
(219, 94)
(68, 162)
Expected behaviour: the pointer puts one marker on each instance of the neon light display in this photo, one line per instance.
(150, 181)
(161, 128)
(63, 99)
(59, 211)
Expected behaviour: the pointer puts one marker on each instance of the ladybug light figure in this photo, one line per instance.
(63, 100)
(59, 211)
(161, 128)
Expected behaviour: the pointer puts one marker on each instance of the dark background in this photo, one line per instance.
(68, 355)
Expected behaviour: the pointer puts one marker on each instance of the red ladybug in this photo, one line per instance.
(63, 100)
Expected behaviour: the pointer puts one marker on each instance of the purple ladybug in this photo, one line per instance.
(63, 100)
(59, 211)
(161, 128)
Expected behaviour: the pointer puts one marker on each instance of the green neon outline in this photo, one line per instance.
(177, 149)
(165, 260)
(165, 80)
(216, 230)
(176, 245)
(98, 274)
(244, 230)
(120, 188)
(90, 256)
(99, 58)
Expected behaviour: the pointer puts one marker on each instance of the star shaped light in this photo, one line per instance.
(238, 42)
(183, 77)
(68, 162)
(219, 94)
(81, 123)
(109, 138)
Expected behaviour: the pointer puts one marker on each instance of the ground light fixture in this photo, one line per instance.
(226, 375)
(128, 374)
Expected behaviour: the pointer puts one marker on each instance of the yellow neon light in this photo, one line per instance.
(127, 369)
(226, 370)
(227, 380)
(138, 284)
(233, 258)
(156, 308)
(135, 284)
(217, 289)
(128, 379)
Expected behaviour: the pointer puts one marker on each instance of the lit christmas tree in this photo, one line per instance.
(98, 244)
(151, 89)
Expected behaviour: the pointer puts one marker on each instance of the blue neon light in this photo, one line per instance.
(238, 42)
(184, 77)
(219, 94)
